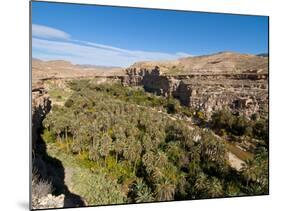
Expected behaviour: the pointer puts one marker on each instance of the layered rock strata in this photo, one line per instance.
(245, 93)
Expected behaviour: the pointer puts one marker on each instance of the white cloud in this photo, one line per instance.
(48, 32)
(83, 52)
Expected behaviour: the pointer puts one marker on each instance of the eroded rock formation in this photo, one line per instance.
(41, 105)
(243, 90)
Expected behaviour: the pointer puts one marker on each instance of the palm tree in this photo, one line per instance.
(147, 142)
(148, 160)
(133, 151)
(248, 171)
(105, 145)
(165, 191)
(119, 144)
(200, 183)
(232, 189)
(213, 151)
(144, 193)
(214, 188)
(94, 148)
(162, 159)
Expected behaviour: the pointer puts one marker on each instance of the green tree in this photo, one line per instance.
(144, 193)
(165, 191)
(214, 188)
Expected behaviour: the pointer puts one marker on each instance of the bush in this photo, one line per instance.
(172, 106)
(261, 130)
(240, 125)
(97, 189)
(222, 119)
(39, 187)
(187, 111)
(237, 125)
(69, 103)
(48, 136)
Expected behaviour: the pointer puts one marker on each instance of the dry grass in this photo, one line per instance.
(39, 188)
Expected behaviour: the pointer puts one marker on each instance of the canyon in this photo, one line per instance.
(226, 80)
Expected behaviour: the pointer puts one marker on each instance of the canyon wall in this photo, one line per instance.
(41, 105)
(243, 93)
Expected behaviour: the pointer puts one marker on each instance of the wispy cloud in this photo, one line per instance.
(48, 32)
(47, 46)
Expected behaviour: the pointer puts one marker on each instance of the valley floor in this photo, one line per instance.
(130, 146)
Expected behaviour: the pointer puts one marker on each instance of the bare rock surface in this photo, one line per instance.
(235, 162)
(41, 105)
(49, 201)
(225, 80)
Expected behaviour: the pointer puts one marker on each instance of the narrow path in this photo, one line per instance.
(67, 177)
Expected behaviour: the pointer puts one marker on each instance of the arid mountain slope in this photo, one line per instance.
(64, 69)
(210, 82)
(236, 81)
(219, 63)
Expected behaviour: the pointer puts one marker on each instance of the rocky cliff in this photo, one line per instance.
(41, 105)
(235, 81)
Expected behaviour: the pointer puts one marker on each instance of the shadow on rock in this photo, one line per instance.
(52, 170)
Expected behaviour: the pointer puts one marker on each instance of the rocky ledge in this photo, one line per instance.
(41, 105)
(244, 91)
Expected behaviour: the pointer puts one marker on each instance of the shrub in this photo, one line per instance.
(69, 103)
(261, 130)
(172, 106)
(48, 136)
(97, 189)
(240, 125)
(187, 111)
(222, 119)
(142, 192)
(39, 187)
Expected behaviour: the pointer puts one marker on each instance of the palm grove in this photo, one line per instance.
(137, 151)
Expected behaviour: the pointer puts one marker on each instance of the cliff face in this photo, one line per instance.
(244, 90)
(41, 105)
(245, 95)
(152, 80)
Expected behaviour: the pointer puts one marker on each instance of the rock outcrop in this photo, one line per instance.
(41, 105)
(225, 80)
(49, 201)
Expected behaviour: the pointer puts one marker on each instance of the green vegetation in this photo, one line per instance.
(98, 189)
(122, 149)
(58, 94)
(224, 121)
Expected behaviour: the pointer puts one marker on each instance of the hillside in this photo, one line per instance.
(64, 69)
(218, 63)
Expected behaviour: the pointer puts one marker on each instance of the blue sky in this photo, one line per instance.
(115, 36)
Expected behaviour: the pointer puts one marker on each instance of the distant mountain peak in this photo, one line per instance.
(263, 54)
